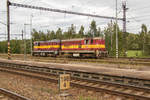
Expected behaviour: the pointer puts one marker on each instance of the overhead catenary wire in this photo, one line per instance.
(2, 23)
(142, 8)
(61, 11)
(24, 2)
(131, 17)
(140, 16)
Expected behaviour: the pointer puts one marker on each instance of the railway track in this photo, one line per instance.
(106, 60)
(8, 95)
(113, 88)
(110, 60)
(78, 74)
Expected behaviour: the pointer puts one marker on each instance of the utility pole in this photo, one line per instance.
(116, 29)
(22, 35)
(31, 32)
(24, 42)
(8, 28)
(5, 35)
(22, 46)
(124, 15)
(143, 43)
(25, 50)
(25, 54)
(111, 32)
(124, 25)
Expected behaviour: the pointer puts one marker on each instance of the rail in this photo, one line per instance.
(12, 95)
(126, 91)
(80, 74)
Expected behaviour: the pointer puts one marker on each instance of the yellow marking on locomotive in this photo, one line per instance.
(82, 46)
(47, 46)
(93, 46)
(70, 46)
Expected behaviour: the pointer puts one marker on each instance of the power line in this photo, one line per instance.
(10, 34)
(134, 19)
(2, 23)
(61, 11)
(139, 12)
(143, 19)
(89, 2)
(138, 17)
(3, 11)
(138, 20)
(25, 2)
(141, 8)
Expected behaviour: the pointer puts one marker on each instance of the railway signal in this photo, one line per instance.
(64, 82)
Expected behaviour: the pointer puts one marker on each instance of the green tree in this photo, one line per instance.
(132, 41)
(93, 29)
(59, 34)
(111, 48)
(81, 32)
(3, 47)
(35, 35)
(52, 35)
(99, 33)
(143, 37)
(42, 36)
(48, 35)
(72, 31)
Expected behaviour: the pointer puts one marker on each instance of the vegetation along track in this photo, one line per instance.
(8, 95)
(84, 80)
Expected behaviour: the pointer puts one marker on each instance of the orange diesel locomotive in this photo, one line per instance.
(84, 47)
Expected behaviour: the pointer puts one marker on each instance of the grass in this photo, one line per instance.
(134, 53)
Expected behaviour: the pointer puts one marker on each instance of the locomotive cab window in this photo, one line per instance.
(38, 44)
(91, 41)
(86, 41)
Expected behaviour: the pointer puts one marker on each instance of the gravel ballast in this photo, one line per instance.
(42, 90)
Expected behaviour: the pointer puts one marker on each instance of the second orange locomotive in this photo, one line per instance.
(84, 47)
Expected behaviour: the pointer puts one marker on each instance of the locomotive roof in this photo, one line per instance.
(55, 40)
(78, 39)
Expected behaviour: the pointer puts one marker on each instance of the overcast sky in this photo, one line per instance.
(137, 14)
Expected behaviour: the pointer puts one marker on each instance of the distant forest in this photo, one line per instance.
(127, 41)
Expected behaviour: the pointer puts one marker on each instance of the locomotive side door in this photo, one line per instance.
(87, 43)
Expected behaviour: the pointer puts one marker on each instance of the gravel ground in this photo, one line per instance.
(96, 64)
(42, 90)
